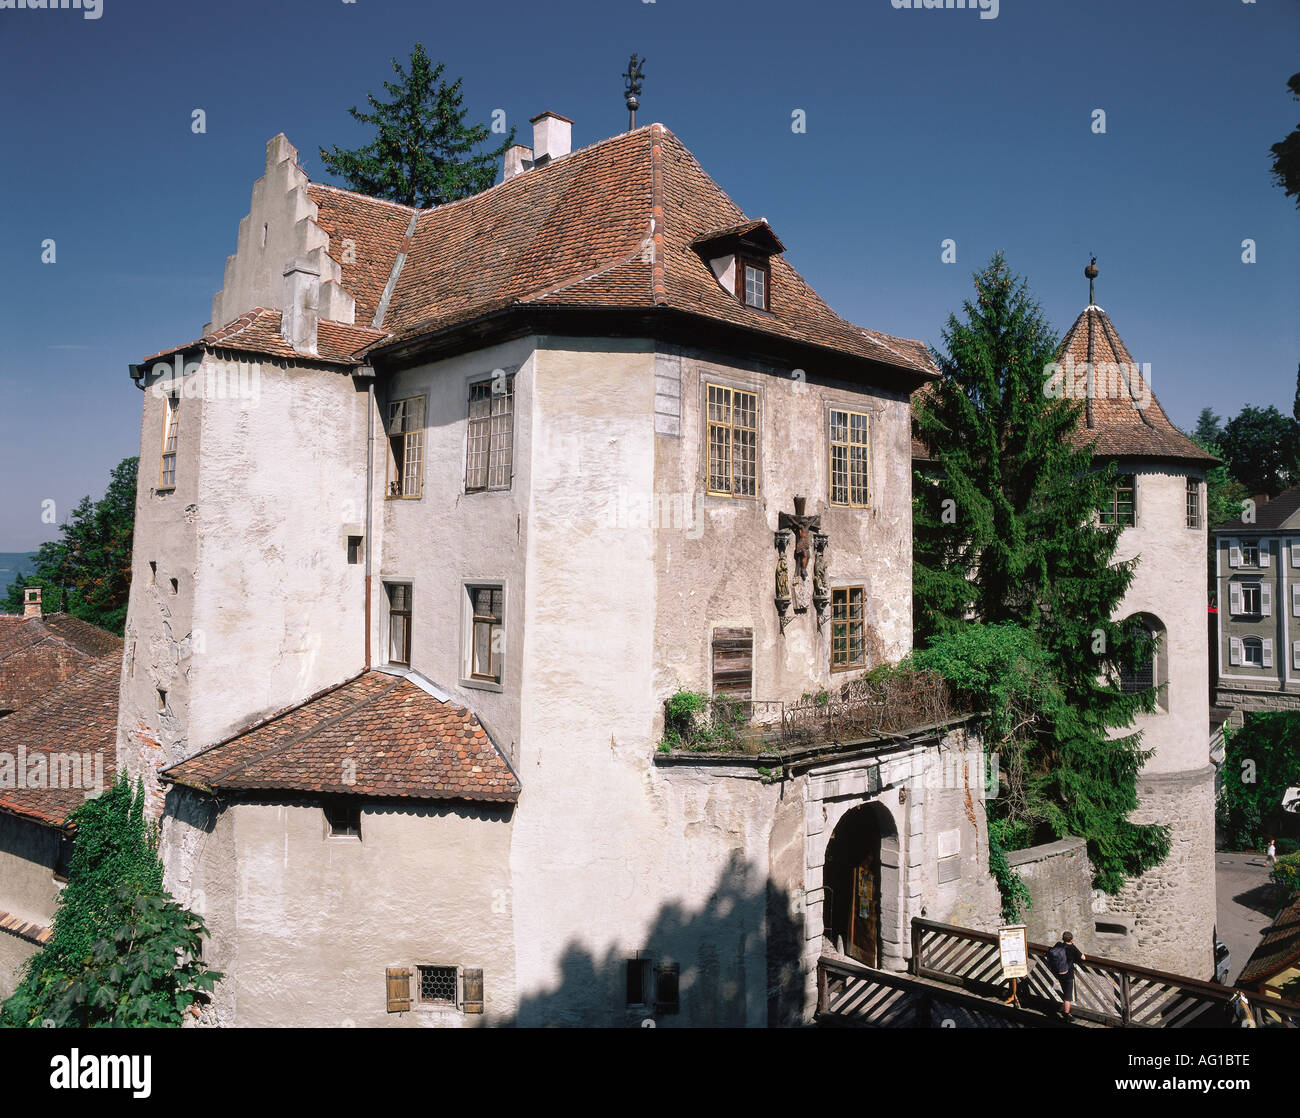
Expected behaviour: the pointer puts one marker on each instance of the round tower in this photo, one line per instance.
(1161, 503)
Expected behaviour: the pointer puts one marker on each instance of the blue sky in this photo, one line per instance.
(921, 125)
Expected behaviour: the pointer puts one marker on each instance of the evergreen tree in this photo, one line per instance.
(87, 572)
(1009, 531)
(1286, 154)
(1208, 428)
(422, 153)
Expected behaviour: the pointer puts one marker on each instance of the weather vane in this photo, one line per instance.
(632, 81)
(1091, 272)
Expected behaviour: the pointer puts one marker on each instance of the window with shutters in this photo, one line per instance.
(406, 448)
(1251, 598)
(489, 450)
(1193, 503)
(732, 441)
(1252, 652)
(1250, 553)
(848, 458)
(1120, 507)
(733, 662)
(397, 983)
(437, 985)
(170, 440)
(399, 622)
(848, 643)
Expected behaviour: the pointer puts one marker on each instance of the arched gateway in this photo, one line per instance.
(856, 878)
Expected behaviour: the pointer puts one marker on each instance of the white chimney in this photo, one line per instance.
(301, 302)
(518, 160)
(552, 137)
(32, 601)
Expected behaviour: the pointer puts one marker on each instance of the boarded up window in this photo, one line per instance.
(733, 662)
(398, 981)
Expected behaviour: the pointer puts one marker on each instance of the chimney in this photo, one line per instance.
(32, 601)
(552, 137)
(301, 300)
(518, 160)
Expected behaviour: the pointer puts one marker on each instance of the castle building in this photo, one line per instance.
(1165, 918)
(435, 516)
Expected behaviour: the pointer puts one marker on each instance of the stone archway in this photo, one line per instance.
(860, 881)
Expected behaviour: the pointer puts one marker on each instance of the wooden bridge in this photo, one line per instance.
(956, 982)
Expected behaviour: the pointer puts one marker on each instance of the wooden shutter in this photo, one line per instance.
(733, 662)
(1234, 553)
(472, 984)
(398, 983)
(1265, 597)
(1263, 553)
(1234, 597)
(1268, 653)
(667, 991)
(1234, 650)
(1295, 655)
(1295, 553)
(1295, 599)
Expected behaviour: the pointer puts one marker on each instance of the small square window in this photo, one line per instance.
(343, 819)
(1250, 555)
(437, 985)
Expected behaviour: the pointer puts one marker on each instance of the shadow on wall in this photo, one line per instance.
(737, 959)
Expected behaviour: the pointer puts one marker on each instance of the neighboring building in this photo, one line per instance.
(1160, 502)
(1257, 568)
(1275, 963)
(54, 753)
(39, 650)
(431, 521)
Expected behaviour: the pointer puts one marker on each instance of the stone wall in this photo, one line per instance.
(1059, 878)
(28, 890)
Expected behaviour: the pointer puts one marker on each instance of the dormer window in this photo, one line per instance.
(740, 258)
(757, 275)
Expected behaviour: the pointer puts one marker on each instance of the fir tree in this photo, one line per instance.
(1208, 428)
(423, 151)
(1008, 532)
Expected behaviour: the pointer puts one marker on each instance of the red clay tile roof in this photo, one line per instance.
(608, 226)
(376, 229)
(25, 929)
(78, 716)
(1114, 423)
(36, 653)
(258, 331)
(1278, 949)
(1269, 516)
(375, 735)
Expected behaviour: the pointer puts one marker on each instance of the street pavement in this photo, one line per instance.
(1247, 902)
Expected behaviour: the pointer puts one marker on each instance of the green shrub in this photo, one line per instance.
(1287, 873)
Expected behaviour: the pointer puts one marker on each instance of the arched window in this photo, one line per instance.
(1252, 652)
(1151, 670)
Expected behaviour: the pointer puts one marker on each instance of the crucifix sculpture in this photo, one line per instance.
(803, 527)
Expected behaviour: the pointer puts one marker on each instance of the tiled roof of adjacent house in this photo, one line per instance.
(36, 653)
(1278, 949)
(1122, 417)
(610, 226)
(257, 331)
(375, 735)
(77, 716)
(1269, 515)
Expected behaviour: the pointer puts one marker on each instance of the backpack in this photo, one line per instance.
(1058, 959)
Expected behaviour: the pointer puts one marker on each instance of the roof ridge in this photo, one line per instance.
(360, 194)
(658, 218)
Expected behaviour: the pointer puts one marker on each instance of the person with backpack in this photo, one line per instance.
(1061, 958)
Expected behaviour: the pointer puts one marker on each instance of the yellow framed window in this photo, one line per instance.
(733, 441)
(406, 447)
(849, 462)
(848, 646)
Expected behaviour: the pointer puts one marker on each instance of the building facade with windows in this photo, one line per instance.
(1257, 571)
(432, 520)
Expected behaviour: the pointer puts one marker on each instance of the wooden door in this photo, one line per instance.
(864, 920)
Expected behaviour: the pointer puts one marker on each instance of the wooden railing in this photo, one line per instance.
(849, 994)
(1106, 991)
